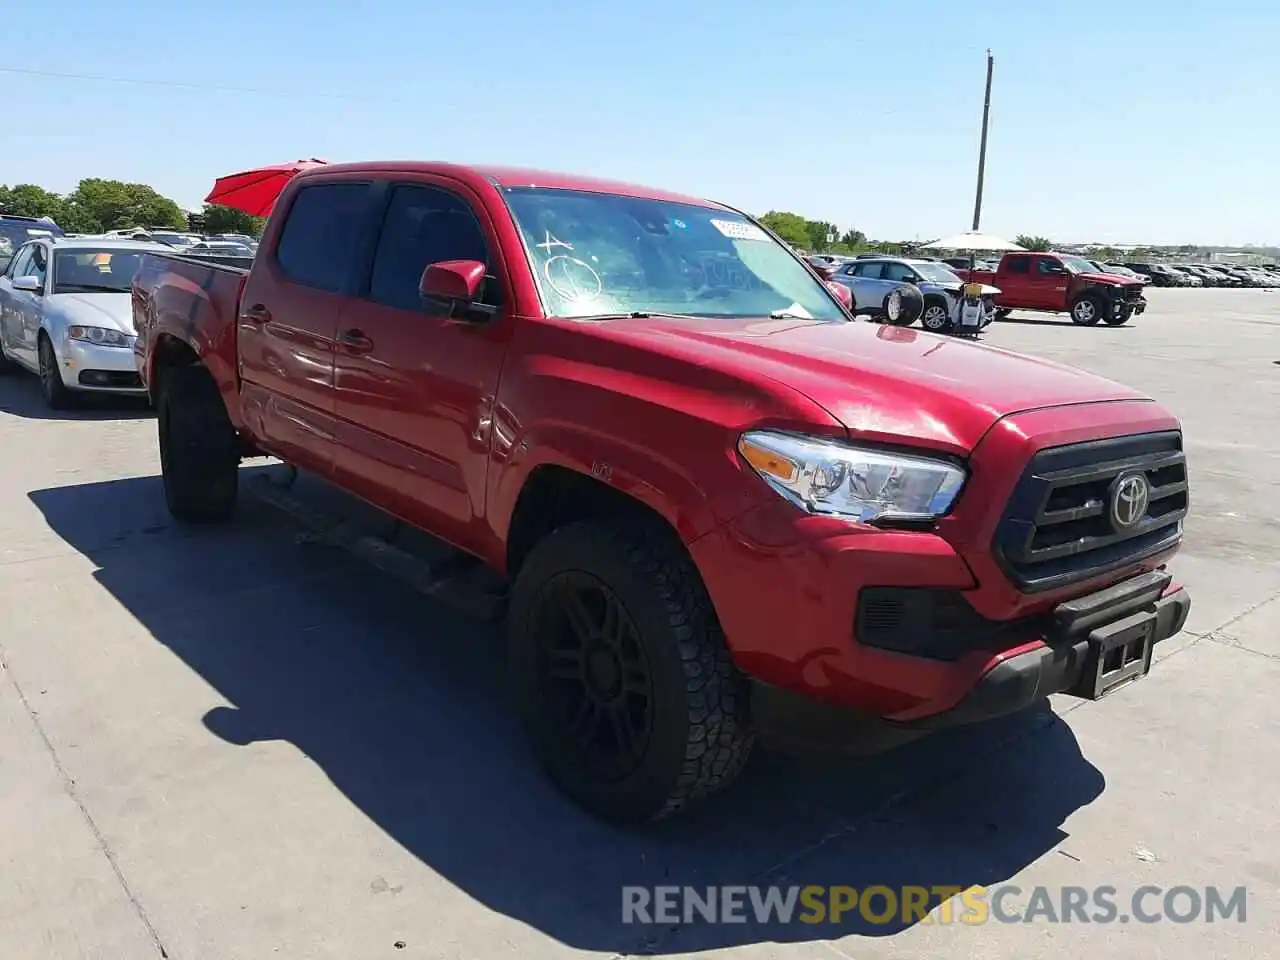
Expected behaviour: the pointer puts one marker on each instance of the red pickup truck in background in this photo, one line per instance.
(1060, 283)
(723, 505)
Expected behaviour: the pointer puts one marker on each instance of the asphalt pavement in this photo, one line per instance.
(238, 743)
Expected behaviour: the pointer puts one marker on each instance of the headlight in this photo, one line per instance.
(99, 336)
(832, 478)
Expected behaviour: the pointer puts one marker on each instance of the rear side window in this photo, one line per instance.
(321, 235)
(1018, 265)
(424, 225)
(870, 270)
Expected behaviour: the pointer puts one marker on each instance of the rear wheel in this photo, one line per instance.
(621, 673)
(1087, 311)
(56, 394)
(199, 452)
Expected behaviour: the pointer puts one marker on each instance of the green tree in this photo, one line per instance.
(28, 200)
(115, 205)
(853, 240)
(791, 227)
(219, 219)
(1028, 242)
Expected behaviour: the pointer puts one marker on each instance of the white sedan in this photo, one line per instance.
(66, 314)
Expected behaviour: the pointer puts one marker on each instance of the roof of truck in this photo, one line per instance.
(510, 177)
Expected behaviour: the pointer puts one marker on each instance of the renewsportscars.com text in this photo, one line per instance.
(880, 905)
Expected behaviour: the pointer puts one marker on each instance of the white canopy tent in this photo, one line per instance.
(972, 240)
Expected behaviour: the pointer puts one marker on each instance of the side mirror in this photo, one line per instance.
(843, 293)
(29, 284)
(453, 286)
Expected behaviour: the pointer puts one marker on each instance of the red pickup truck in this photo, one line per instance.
(1060, 283)
(724, 507)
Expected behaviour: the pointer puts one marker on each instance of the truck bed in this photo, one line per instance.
(194, 301)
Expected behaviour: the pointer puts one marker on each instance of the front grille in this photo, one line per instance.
(1058, 527)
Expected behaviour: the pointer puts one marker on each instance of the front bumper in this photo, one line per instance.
(1091, 647)
(95, 369)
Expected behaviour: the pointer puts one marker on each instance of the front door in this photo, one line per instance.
(1049, 280)
(415, 392)
(289, 314)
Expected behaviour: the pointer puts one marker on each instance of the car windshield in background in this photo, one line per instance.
(223, 249)
(173, 239)
(601, 254)
(94, 271)
(937, 272)
(1079, 265)
(14, 234)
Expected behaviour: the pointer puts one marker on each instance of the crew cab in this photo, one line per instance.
(1060, 283)
(723, 506)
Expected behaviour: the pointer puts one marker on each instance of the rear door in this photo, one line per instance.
(1014, 280)
(289, 315)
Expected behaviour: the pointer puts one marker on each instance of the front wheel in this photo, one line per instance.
(1087, 311)
(56, 394)
(936, 317)
(1120, 317)
(199, 452)
(621, 673)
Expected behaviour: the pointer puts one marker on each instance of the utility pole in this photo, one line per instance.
(982, 149)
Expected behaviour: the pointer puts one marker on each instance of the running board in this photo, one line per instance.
(457, 580)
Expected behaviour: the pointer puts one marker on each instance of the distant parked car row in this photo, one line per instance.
(1200, 274)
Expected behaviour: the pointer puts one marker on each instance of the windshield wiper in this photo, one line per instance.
(787, 315)
(97, 287)
(637, 315)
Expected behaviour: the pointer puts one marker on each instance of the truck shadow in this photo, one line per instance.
(401, 704)
(20, 396)
(1061, 322)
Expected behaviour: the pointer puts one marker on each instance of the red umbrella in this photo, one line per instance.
(255, 191)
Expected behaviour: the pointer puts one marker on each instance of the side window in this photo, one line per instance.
(21, 264)
(39, 263)
(424, 225)
(870, 270)
(898, 272)
(1048, 267)
(1018, 265)
(321, 236)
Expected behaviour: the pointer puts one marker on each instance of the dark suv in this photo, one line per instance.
(15, 231)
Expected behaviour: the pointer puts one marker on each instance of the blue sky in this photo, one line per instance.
(1134, 122)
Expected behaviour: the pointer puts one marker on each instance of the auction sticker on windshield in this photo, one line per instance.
(738, 230)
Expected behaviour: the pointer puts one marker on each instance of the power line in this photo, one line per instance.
(184, 85)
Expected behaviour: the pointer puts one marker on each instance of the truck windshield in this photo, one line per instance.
(599, 253)
(1079, 265)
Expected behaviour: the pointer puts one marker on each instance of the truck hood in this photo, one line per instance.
(1111, 278)
(883, 383)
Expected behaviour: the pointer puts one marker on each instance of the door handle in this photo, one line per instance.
(257, 314)
(355, 341)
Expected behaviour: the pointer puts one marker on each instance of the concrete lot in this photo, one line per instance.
(227, 744)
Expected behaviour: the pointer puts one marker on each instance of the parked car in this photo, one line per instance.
(170, 238)
(722, 505)
(1182, 278)
(15, 231)
(65, 315)
(1061, 283)
(1120, 270)
(875, 281)
(224, 248)
(1159, 274)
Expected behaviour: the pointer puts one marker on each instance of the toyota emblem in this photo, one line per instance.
(1130, 497)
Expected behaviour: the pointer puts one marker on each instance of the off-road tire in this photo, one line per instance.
(701, 734)
(929, 316)
(1088, 310)
(199, 449)
(55, 392)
